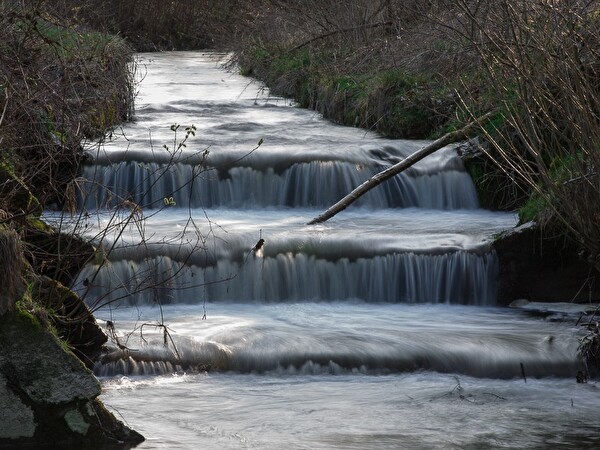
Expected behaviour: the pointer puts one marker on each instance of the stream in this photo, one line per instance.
(246, 328)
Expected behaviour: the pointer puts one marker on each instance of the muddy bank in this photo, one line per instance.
(536, 268)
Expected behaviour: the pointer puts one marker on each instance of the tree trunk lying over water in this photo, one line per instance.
(377, 179)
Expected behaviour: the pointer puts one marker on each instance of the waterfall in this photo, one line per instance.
(311, 184)
(456, 277)
(271, 333)
(399, 247)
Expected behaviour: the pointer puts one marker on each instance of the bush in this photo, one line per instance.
(543, 66)
(60, 84)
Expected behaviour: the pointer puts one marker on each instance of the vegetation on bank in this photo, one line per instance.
(60, 83)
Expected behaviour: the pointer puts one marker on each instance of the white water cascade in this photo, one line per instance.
(392, 249)
(236, 325)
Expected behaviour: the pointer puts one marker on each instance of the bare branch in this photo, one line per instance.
(417, 156)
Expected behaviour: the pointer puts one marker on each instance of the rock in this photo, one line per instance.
(16, 418)
(47, 395)
(470, 149)
(543, 270)
(71, 317)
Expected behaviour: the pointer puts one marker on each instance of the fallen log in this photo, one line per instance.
(378, 178)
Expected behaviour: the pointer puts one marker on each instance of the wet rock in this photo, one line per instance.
(470, 149)
(47, 396)
(535, 268)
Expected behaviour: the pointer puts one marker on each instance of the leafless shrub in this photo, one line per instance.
(157, 25)
(59, 84)
(542, 63)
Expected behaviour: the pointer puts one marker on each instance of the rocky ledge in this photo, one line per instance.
(539, 269)
(47, 396)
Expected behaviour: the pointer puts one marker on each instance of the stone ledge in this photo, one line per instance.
(545, 270)
(47, 395)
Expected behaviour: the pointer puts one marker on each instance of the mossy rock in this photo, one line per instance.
(70, 317)
(51, 393)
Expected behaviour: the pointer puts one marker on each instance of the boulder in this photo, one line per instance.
(70, 316)
(47, 396)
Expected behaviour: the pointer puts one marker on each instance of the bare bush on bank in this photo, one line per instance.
(380, 65)
(542, 63)
(152, 25)
(60, 83)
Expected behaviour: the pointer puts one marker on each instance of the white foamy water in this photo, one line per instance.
(355, 375)
(377, 329)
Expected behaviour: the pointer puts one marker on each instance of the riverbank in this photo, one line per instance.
(60, 84)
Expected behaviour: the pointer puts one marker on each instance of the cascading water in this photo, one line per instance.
(300, 165)
(148, 183)
(327, 336)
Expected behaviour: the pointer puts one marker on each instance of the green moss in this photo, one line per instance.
(27, 318)
(39, 314)
(68, 41)
(38, 225)
(533, 208)
(28, 307)
(14, 193)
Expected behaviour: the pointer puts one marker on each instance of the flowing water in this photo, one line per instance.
(377, 329)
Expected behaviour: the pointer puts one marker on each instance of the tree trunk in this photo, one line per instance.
(417, 156)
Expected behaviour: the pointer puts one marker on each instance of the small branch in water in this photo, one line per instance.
(523, 373)
(494, 395)
(258, 245)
